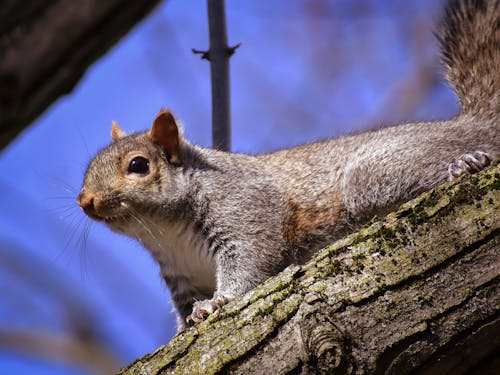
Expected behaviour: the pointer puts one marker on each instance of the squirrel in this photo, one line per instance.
(220, 223)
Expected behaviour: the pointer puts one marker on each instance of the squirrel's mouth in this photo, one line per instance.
(115, 219)
(97, 211)
(108, 219)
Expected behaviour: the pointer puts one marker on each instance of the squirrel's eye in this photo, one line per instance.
(139, 165)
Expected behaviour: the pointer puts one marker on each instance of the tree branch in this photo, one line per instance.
(46, 46)
(410, 292)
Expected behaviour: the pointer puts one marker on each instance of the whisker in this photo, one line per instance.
(86, 232)
(84, 141)
(62, 209)
(82, 241)
(143, 222)
(59, 183)
(74, 233)
(65, 198)
(71, 228)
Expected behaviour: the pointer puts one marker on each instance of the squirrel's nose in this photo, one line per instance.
(86, 202)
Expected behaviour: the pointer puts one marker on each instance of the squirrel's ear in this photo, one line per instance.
(116, 131)
(165, 133)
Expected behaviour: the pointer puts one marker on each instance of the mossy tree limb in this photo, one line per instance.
(417, 291)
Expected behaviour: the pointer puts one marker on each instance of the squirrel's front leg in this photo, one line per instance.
(235, 275)
(183, 294)
(202, 309)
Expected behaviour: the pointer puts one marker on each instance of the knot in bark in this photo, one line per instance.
(325, 345)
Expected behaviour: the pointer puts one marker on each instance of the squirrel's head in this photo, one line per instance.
(132, 175)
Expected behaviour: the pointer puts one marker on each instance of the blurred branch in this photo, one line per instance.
(76, 339)
(76, 350)
(45, 47)
(407, 93)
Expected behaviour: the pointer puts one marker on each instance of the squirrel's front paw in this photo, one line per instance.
(469, 164)
(202, 309)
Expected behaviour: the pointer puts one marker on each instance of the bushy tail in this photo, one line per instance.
(470, 44)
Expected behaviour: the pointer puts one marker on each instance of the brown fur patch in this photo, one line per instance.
(312, 217)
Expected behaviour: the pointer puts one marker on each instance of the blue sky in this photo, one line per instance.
(307, 70)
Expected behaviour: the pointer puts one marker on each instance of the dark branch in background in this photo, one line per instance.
(218, 55)
(46, 46)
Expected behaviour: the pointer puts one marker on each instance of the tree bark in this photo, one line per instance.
(417, 292)
(46, 46)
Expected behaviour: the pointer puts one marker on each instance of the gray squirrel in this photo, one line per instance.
(219, 223)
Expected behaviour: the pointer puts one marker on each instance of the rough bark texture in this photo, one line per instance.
(415, 292)
(46, 46)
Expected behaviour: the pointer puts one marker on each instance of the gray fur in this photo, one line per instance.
(219, 223)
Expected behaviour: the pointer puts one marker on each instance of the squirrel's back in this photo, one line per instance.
(350, 179)
(469, 38)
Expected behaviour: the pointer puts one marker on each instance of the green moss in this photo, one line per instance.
(336, 266)
(275, 284)
(495, 185)
(272, 302)
(344, 302)
(325, 268)
(432, 199)
(386, 233)
(418, 216)
(359, 257)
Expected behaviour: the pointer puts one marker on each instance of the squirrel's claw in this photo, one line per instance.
(469, 164)
(202, 309)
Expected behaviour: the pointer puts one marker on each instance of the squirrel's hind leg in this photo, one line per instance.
(469, 164)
